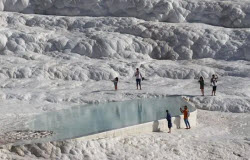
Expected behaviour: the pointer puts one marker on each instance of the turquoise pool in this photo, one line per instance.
(96, 118)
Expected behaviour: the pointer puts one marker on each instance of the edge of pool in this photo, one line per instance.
(154, 126)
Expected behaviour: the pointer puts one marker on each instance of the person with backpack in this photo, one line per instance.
(186, 115)
(168, 117)
(214, 84)
(201, 81)
(115, 83)
(138, 78)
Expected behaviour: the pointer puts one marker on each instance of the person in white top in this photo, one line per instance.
(138, 78)
(214, 84)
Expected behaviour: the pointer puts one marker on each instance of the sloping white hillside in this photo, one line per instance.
(226, 13)
(55, 54)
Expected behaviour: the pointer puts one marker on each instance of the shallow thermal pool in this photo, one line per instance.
(96, 118)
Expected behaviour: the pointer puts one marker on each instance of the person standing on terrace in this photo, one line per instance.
(115, 83)
(214, 84)
(138, 78)
(168, 117)
(186, 115)
(201, 81)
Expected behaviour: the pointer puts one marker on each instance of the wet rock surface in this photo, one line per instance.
(22, 135)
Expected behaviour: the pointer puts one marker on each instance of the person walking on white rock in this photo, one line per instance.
(138, 78)
(214, 84)
(201, 81)
(168, 117)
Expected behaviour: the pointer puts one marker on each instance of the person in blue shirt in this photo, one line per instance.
(168, 117)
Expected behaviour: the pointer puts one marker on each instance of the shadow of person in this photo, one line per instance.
(156, 126)
(101, 91)
(97, 91)
(177, 122)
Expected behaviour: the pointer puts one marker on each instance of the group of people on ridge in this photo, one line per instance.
(138, 76)
(213, 81)
(185, 112)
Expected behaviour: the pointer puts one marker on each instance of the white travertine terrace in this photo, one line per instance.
(55, 54)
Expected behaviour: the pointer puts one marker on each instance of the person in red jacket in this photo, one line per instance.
(186, 115)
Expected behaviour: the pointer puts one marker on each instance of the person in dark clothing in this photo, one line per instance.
(115, 83)
(168, 117)
(138, 78)
(201, 81)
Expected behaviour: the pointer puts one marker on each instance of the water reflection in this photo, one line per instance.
(85, 120)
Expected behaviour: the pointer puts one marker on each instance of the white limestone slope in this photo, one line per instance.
(55, 62)
(46, 58)
(226, 13)
(119, 37)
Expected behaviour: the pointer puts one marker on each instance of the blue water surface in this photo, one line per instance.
(96, 118)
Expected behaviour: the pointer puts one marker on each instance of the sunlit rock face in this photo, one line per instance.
(118, 37)
(55, 54)
(68, 45)
(232, 14)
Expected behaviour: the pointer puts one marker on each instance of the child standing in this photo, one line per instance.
(202, 85)
(115, 82)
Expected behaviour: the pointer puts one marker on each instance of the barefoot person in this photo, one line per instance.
(186, 115)
(115, 82)
(214, 84)
(168, 117)
(138, 78)
(201, 81)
